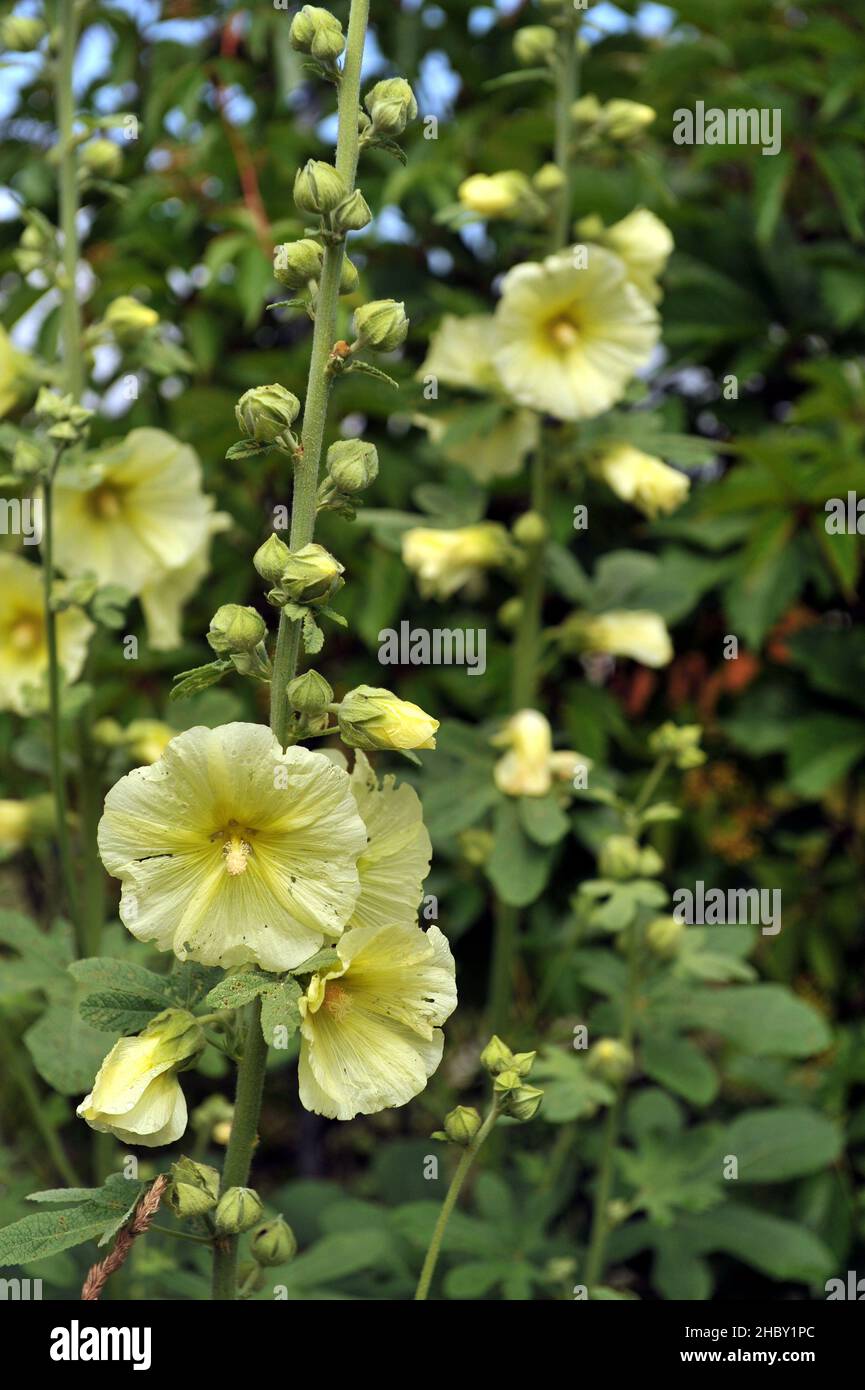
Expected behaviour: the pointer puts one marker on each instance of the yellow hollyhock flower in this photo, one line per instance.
(136, 1095)
(23, 647)
(371, 717)
(644, 243)
(164, 598)
(445, 561)
(496, 195)
(370, 1029)
(572, 335)
(460, 353)
(646, 481)
(397, 856)
(16, 375)
(639, 634)
(138, 518)
(231, 850)
(530, 767)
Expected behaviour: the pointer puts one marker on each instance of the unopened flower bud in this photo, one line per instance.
(611, 1060)
(234, 628)
(295, 263)
(391, 105)
(373, 718)
(664, 936)
(237, 1211)
(681, 742)
(522, 1102)
(620, 857)
(353, 213)
(510, 613)
(21, 35)
(309, 693)
(128, 318)
(534, 44)
(381, 324)
(549, 179)
(271, 558)
(476, 845)
(587, 111)
(651, 863)
(530, 529)
(348, 277)
(193, 1190)
(496, 1056)
(273, 1243)
(352, 464)
(462, 1124)
(318, 32)
(311, 574)
(318, 187)
(623, 119)
(266, 414)
(102, 157)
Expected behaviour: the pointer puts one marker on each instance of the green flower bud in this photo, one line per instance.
(530, 529)
(128, 318)
(297, 262)
(318, 32)
(523, 1102)
(611, 1060)
(309, 693)
(535, 44)
(587, 111)
(20, 35)
(391, 105)
(374, 718)
(319, 188)
(679, 741)
(178, 1037)
(352, 464)
(664, 936)
(266, 414)
(620, 857)
(102, 157)
(311, 574)
(348, 277)
(237, 1211)
(273, 1243)
(353, 213)
(193, 1190)
(549, 179)
(235, 629)
(462, 1124)
(271, 558)
(651, 863)
(510, 613)
(496, 1056)
(381, 324)
(506, 1080)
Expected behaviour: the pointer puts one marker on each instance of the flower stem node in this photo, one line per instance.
(319, 188)
(462, 1124)
(309, 693)
(310, 575)
(127, 319)
(611, 1059)
(530, 529)
(266, 414)
(353, 214)
(381, 325)
(238, 1210)
(497, 1058)
(519, 1101)
(534, 44)
(235, 629)
(352, 465)
(193, 1190)
(295, 263)
(391, 105)
(374, 718)
(273, 1243)
(317, 32)
(664, 936)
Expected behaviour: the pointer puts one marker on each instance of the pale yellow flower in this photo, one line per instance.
(495, 195)
(371, 1025)
(136, 1095)
(638, 633)
(445, 561)
(23, 646)
(499, 451)
(371, 717)
(231, 850)
(16, 818)
(139, 518)
(642, 240)
(460, 353)
(646, 481)
(148, 739)
(16, 375)
(572, 335)
(623, 119)
(397, 856)
(530, 767)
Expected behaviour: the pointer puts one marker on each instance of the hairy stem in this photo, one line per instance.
(73, 363)
(467, 1158)
(244, 1135)
(567, 82)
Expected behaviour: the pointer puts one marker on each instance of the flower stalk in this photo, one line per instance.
(467, 1158)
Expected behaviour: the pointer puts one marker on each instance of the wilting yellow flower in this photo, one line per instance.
(23, 648)
(639, 634)
(136, 1095)
(15, 820)
(231, 850)
(572, 335)
(370, 717)
(623, 119)
(370, 1031)
(16, 374)
(397, 856)
(530, 767)
(137, 518)
(644, 480)
(644, 243)
(444, 561)
(460, 354)
(495, 195)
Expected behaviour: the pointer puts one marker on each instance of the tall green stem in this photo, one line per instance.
(525, 672)
(467, 1158)
(250, 1075)
(318, 385)
(73, 364)
(567, 81)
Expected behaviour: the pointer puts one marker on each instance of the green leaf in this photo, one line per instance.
(821, 749)
(279, 1009)
(676, 1063)
(238, 990)
(198, 678)
(543, 819)
(777, 1247)
(781, 1142)
(570, 1091)
(517, 868)
(764, 1020)
(66, 1051)
(116, 1012)
(321, 960)
(48, 1232)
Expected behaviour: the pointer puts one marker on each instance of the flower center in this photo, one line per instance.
(25, 634)
(236, 849)
(337, 1000)
(105, 502)
(564, 333)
